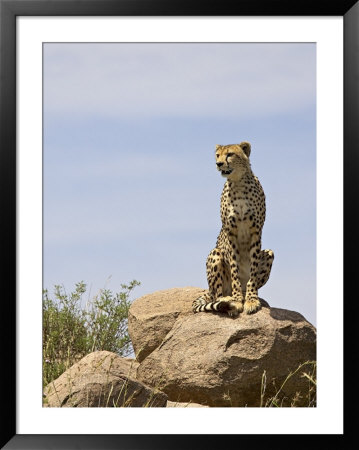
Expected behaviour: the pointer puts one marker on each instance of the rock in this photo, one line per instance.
(152, 316)
(101, 379)
(215, 360)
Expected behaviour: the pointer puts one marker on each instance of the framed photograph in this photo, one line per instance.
(110, 116)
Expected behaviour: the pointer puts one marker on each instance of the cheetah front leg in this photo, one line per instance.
(232, 261)
(252, 303)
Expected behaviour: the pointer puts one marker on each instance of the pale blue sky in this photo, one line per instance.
(130, 185)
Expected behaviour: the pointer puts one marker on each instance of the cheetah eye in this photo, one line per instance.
(217, 155)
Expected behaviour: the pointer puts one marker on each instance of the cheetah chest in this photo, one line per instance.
(239, 212)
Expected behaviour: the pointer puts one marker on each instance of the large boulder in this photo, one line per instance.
(215, 360)
(152, 316)
(101, 379)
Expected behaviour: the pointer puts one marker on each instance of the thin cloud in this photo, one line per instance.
(147, 80)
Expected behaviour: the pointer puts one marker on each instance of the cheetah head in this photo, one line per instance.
(233, 160)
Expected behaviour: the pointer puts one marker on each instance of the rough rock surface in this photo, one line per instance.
(101, 379)
(152, 316)
(215, 360)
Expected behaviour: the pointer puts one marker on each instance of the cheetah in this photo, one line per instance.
(237, 267)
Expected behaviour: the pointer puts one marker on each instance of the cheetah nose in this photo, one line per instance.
(219, 164)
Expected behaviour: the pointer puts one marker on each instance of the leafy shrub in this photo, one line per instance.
(71, 330)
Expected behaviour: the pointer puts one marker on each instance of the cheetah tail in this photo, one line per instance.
(200, 305)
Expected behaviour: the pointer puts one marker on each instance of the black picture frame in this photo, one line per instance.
(9, 10)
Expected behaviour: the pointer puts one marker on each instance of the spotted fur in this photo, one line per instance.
(237, 267)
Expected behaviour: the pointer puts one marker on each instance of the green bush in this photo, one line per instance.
(71, 330)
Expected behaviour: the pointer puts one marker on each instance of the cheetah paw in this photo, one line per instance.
(252, 305)
(228, 305)
(235, 308)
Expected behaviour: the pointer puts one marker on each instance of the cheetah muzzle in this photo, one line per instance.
(226, 172)
(237, 267)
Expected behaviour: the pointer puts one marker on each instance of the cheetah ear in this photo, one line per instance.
(246, 147)
(218, 146)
